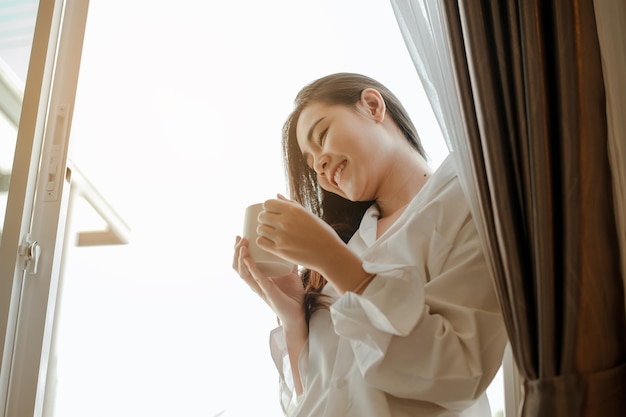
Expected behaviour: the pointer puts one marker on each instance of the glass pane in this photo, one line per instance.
(17, 26)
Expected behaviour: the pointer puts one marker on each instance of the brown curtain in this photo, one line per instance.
(533, 97)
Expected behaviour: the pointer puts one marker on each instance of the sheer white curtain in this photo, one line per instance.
(610, 18)
(425, 32)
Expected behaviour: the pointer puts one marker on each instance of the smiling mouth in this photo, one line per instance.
(338, 171)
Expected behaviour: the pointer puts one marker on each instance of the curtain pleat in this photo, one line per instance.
(477, 155)
(611, 18)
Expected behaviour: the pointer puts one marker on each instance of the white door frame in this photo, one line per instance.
(37, 206)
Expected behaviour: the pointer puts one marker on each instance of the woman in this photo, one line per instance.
(393, 312)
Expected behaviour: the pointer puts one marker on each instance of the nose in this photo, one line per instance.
(320, 164)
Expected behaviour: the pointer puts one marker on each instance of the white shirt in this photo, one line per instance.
(425, 338)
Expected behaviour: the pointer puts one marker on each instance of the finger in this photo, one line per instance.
(264, 283)
(269, 244)
(239, 241)
(282, 197)
(270, 218)
(244, 270)
(236, 253)
(276, 205)
(267, 232)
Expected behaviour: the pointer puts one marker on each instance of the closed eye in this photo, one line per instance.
(322, 136)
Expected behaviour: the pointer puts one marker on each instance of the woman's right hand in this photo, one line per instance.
(284, 295)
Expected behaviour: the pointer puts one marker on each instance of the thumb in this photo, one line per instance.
(282, 197)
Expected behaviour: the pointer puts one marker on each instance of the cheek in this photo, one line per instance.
(327, 186)
(324, 183)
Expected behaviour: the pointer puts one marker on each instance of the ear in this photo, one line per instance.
(373, 104)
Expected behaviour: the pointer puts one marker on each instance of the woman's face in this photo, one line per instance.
(345, 146)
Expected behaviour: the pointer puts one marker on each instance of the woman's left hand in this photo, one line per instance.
(288, 230)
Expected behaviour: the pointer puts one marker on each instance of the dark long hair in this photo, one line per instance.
(342, 214)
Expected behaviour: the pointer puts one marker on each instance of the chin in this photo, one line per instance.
(351, 197)
(341, 194)
(345, 195)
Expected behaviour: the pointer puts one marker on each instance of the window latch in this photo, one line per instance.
(29, 252)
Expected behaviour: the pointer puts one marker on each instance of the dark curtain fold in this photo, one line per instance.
(530, 75)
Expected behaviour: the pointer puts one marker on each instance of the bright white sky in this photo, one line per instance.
(177, 123)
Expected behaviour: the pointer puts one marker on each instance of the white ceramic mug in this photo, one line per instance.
(268, 263)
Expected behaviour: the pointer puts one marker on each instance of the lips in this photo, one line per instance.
(336, 177)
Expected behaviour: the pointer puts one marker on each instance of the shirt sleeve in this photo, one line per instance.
(288, 398)
(420, 335)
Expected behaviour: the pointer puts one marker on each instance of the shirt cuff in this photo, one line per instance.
(392, 303)
(278, 348)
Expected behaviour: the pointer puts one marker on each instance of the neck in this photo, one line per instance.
(406, 177)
